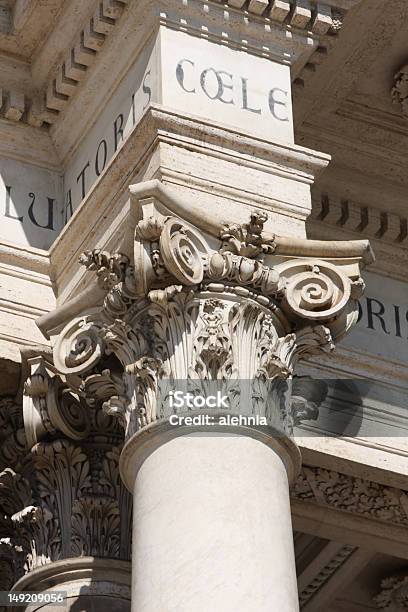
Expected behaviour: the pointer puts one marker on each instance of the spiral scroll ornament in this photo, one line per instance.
(50, 407)
(79, 347)
(66, 412)
(317, 291)
(183, 252)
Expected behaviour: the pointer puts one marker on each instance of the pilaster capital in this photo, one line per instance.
(61, 494)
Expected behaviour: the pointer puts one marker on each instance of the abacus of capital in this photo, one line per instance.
(211, 514)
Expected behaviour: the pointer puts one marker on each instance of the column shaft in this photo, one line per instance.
(212, 528)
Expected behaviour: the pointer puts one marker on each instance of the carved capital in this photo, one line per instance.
(232, 305)
(66, 499)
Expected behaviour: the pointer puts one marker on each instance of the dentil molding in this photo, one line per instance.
(308, 23)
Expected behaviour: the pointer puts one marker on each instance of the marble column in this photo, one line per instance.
(228, 309)
(212, 527)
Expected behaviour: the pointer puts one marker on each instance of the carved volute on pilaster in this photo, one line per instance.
(229, 304)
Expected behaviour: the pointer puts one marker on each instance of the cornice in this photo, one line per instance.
(288, 31)
(78, 59)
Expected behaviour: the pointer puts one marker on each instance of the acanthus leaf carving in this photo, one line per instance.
(13, 442)
(110, 269)
(10, 564)
(393, 596)
(350, 494)
(146, 371)
(65, 500)
(246, 239)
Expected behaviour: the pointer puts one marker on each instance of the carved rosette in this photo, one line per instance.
(229, 312)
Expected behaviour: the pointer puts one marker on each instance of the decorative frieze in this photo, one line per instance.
(353, 495)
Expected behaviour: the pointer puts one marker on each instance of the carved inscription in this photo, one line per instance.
(228, 88)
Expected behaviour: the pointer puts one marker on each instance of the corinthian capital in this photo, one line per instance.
(203, 301)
